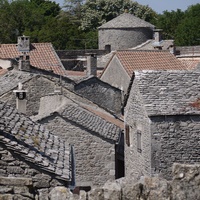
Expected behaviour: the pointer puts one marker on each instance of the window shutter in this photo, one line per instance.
(127, 134)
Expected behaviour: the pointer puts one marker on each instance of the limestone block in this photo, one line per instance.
(41, 181)
(96, 194)
(6, 196)
(6, 189)
(131, 191)
(61, 193)
(21, 197)
(15, 181)
(186, 182)
(43, 194)
(156, 188)
(82, 195)
(112, 190)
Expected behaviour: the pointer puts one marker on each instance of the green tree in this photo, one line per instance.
(168, 21)
(188, 31)
(97, 12)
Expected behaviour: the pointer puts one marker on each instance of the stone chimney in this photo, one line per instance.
(157, 35)
(21, 98)
(23, 46)
(91, 64)
(24, 63)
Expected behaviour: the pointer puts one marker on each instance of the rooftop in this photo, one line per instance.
(169, 92)
(126, 20)
(42, 55)
(34, 143)
(134, 60)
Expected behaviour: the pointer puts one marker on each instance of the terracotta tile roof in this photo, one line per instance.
(34, 143)
(148, 60)
(42, 55)
(190, 63)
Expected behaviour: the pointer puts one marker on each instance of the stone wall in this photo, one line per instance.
(137, 161)
(174, 139)
(116, 76)
(38, 87)
(188, 50)
(184, 186)
(101, 93)
(22, 180)
(123, 38)
(94, 156)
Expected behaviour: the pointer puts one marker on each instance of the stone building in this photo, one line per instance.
(123, 32)
(37, 82)
(94, 134)
(122, 65)
(32, 160)
(162, 122)
(41, 83)
(101, 93)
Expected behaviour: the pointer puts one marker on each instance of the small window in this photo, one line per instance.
(127, 135)
(139, 145)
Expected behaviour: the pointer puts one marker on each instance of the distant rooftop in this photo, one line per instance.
(148, 60)
(126, 20)
(42, 55)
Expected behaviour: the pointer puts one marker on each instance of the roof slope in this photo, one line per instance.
(42, 55)
(150, 44)
(170, 92)
(148, 60)
(90, 117)
(34, 143)
(11, 79)
(91, 121)
(126, 20)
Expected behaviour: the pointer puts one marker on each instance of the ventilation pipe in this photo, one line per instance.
(20, 98)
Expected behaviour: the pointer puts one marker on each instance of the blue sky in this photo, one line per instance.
(160, 5)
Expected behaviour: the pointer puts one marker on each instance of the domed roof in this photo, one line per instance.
(126, 20)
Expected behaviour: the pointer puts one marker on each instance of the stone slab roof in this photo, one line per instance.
(91, 121)
(34, 143)
(170, 92)
(11, 79)
(149, 45)
(126, 20)
(90, 117)
(148, 60)
(42, 55)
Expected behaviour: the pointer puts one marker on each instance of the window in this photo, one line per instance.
(139, 146)
(127, 135)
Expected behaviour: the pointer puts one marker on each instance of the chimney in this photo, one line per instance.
(24, 63)
(157, 35)
(20, 98)
(91, 64)
(23, 46)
